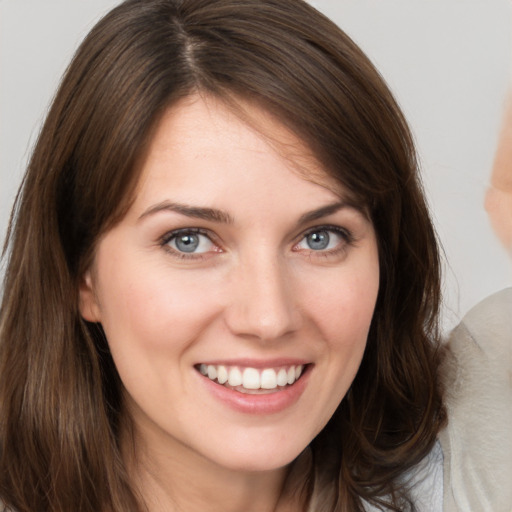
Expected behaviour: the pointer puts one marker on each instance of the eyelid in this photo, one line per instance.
(345, 234)
(171, 235)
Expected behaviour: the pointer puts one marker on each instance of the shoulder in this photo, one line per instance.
(477, 442)
(489, 323)
(424, 483)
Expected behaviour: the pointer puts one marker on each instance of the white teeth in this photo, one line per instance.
(268, 379)
(235, 377)
(222, 375)
(251, 378)
(282, 377)
(212, 372)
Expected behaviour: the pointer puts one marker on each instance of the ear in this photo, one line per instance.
(88, 302)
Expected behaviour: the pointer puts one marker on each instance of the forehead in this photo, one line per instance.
(202, 140)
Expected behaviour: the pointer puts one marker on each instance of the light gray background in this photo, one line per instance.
(447, 62)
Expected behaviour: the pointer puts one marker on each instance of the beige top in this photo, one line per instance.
(477, 443)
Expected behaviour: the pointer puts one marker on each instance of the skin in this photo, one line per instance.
(498, 200)
(254, 289)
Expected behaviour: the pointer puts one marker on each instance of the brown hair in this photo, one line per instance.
(59, 391)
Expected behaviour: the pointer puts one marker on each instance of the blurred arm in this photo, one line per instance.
(498, 199)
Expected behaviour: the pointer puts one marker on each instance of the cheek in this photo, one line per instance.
(154, 308)
(343, 303)
(341, 309)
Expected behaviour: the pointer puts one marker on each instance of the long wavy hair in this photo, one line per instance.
(60, 394)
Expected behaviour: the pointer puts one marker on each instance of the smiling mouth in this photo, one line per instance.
(251, 380)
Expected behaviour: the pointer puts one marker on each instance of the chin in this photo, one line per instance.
(260, 455)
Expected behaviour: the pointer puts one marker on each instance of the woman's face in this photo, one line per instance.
(236, 295)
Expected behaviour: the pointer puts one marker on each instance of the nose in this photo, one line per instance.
(262, 303)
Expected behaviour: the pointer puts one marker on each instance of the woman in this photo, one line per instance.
(223, 283)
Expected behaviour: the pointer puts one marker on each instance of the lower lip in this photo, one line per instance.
(268, 403)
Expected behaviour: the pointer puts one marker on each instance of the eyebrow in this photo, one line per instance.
(222, 217)
(329, 209)
(195, 212)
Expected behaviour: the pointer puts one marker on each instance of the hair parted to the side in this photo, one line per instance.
(60, 400)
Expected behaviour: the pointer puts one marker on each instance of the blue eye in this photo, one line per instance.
(323, 239)
(189, 241)
(318, 241)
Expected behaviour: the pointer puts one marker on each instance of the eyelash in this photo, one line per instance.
(346, 235)
(172, 235)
